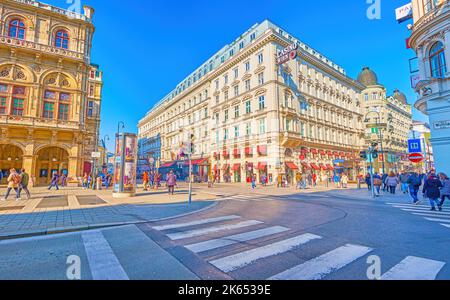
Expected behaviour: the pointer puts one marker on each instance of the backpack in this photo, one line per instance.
(16, 179)
(415, 181)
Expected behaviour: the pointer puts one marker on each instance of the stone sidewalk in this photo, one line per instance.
(62, 211)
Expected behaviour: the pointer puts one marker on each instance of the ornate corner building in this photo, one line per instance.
(50, 93)
(431, 40)
(388, 122)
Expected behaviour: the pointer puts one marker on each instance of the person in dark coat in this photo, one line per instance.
(431, 190)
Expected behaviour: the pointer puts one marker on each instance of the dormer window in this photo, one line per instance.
(62, 39)
(17, 29)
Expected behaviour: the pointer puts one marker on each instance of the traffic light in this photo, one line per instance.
(375, 154)
(363, 155)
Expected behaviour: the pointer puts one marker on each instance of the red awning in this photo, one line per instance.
(236, 153)
(341, 153)
(168, 165)
(302, 157)
(323, 167)
(225, 153)
(291, 166)
(305, 150)
(248, 151)
(262, 166)
(262, 150)
(236, 167)
(322, 152)
(330, 153)
(196, 162)
(315, 167)
(330, 167)
(306, 166)
(314, 151)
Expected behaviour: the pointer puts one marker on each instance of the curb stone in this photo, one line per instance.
(57, 230)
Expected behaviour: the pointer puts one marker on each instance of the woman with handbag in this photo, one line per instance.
(377, 183)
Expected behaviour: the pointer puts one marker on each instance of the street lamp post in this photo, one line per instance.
(106, 138)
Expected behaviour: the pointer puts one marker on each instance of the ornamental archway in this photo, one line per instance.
(48, 161)
(11, 157)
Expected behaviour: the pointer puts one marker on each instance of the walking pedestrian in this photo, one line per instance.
(254, 181)
(368, 181)
(344, 180)
(314, 179)
(336, 180)
(13, 184)
(171, 181)
(145, 180)
(383, 179)
(304, 180)
(391, 182)
(445, 190)
(108, 180)
(63, 179)
(377, 183)
(298, 180)
(404, 182)
(431, 190)
(414, 181)
(24, 181)
(55, 181)
(310, 180)
(85, 181)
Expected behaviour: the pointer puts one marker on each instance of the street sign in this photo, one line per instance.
(96, 155)
(414, 146)
(375, 130)
(415, 157)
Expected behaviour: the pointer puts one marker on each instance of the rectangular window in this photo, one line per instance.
(236, 91)
(262, 126)
(226, 95)
(236, 111)
(248, 129)
(260, 58)
(19, 90)
(217, 85)
(226, 115)
(248, 107)
(225, 134)
(64, 97)
(366, 97)
(253, 36)
(225, 79)
(3, 88)
(90, 111)
(236, 73)
(50, 95)
(91, 90)
(48, 110)
(241, 45)
(247, 66)
(262, 103)
(17, 107)
(2, 105)
(261, 78)
(247, 85)
(217, 99)
(63, 112)
(236, 131)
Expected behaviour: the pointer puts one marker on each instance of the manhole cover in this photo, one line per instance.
(54, 201)
(9, 208)
(90, 200)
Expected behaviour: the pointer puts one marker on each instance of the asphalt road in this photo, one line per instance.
(250, 237)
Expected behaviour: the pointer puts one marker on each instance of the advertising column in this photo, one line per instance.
(125, 164)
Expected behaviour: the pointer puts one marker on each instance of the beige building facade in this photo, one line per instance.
(50, 93)
(388, 122)
(248, 115)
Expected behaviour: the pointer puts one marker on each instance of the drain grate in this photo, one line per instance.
(11, 208)
(54, 201)
(90, 200)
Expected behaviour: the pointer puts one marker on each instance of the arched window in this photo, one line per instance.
(17, 29)
(62, 39)
(437, 60)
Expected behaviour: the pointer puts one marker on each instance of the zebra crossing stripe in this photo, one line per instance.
(414, 268)
(242, 259)
(431, 215)
(103, 262)
(319, 267)
(438, 220)
(234, 239)
(412, 206)
(199, 232)
(426, 211)
(199, 222)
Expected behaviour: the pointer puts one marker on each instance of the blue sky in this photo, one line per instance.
(145, 48)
